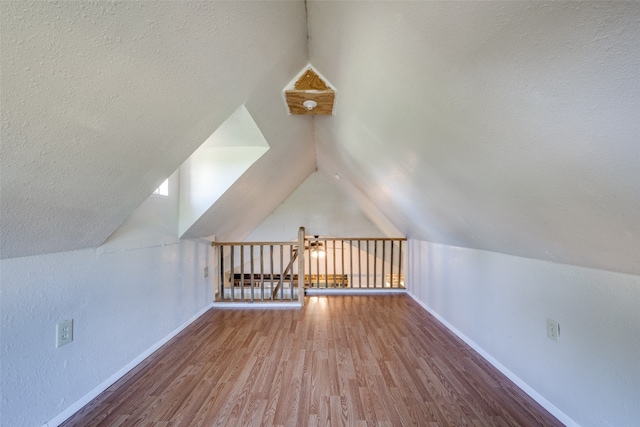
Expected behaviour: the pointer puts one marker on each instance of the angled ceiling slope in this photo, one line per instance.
(511, 127)
(515, 133)
(102, 101)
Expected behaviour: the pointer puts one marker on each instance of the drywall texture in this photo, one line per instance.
(216, 165)
(321, 208)
(254, 195)
(516, 132)
(501, 303)
(504, 126)
(124, 297)
(101, 101)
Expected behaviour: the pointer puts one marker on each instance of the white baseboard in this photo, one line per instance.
(353, 291)
(80, 403)
(550, 407)
(257, 305)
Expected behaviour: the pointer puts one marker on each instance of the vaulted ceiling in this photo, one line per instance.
(506, 126)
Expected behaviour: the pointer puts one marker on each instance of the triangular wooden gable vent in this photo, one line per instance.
(310, 95)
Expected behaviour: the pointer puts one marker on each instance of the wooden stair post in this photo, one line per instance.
(301, 265)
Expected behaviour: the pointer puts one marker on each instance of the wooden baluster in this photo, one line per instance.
(334, 263)
(317, 266)
(368, 273)
(251, 279)
(384, 260)
(271, 272)
(375, 263)
(301, 265)
(391, 267)
(399, 261)
(291, 286)
(233, 291)
(242, 272)
(342, 263)
(281, 272)
(359, 265)
(351, 263)
(310, 275)
(221, 267)
(307, 253)
(261, 272)
(326, 264)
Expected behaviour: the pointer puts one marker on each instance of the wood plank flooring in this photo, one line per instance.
(342, 360)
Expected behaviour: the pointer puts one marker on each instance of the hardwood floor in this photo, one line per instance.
(342, 360)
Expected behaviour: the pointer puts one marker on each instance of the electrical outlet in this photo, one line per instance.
(206, 272)
(553, 329)
(64, 333)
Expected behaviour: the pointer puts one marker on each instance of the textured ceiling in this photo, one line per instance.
(101, 101)
(506, 126)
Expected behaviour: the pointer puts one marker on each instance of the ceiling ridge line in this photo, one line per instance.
(306, 26)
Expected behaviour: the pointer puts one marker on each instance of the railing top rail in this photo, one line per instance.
(252, 243)
(362, 239)
(334, 239)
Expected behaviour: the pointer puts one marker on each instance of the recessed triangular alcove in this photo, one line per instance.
(217, 164)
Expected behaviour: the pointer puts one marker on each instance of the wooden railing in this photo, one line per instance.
(257, 271)
(354, 263)
(271, 271)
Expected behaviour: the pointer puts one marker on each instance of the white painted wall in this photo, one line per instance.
(124, 297)
(321, 208)
(501, 302)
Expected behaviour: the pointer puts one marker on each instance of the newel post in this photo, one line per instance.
(301, 234)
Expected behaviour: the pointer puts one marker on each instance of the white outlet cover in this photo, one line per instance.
(553, 329)
(64, 333)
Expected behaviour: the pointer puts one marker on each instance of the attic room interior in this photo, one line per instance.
(500, 139)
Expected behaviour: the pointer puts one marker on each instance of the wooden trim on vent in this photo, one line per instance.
(310, 81)
(325, 99)
(310, 87)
